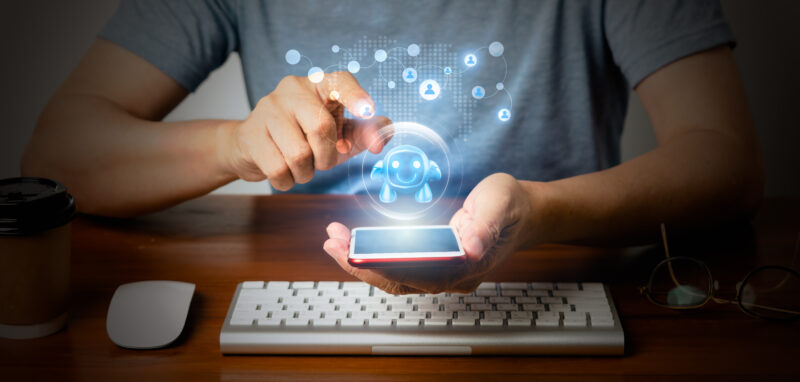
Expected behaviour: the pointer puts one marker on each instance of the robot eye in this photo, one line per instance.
(395, 164)
(416, 164)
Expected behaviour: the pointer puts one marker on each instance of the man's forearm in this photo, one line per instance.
(119, 165)
(699, 178)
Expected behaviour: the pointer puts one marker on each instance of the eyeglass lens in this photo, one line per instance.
(680, 282)
(771, 292)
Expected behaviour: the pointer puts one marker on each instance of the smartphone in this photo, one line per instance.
(410, 246)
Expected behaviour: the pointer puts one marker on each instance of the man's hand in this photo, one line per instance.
(300, 127)
(492, 224)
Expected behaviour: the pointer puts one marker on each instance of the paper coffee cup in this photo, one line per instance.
(35, 217)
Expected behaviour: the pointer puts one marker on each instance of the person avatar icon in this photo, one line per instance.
(366, 111)
(470, 60)
(430, 90)
(447, 70)
(504, 115)
(478, 92)
(409, 75)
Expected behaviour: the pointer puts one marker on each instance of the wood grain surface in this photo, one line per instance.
(219, 241)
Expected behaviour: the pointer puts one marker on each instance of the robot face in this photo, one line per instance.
(405, 169)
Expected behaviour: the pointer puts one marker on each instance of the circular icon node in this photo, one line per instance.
(292, 57)
(470, 60)
(409, 75)
(380, 55)
(353, 67)
(448, 70)
(391, 84)
(478, 92)
(504, 114)
(429, 90)
(500, 86)
(365, 109)
(316, 74)
(334, 96)
(413, 50)
(335, 48)
(496, 49)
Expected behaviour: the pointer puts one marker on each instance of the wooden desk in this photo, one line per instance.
(218, 241)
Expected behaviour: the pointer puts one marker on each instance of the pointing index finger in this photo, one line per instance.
(344, 88)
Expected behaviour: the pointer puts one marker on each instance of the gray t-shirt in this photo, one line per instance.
(566, 67)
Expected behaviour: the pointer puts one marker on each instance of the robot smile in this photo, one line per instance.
(410, 179)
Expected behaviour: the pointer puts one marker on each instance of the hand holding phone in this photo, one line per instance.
(405, 246)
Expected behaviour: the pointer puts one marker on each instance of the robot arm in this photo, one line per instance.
(377, 171)
(434, 173)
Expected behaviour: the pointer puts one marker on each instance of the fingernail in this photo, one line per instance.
(476, 245)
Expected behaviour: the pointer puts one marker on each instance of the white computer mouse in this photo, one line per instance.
(148, 314)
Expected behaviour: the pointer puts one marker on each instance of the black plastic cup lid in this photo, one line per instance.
(30, 205)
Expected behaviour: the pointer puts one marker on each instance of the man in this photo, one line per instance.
(552, 174)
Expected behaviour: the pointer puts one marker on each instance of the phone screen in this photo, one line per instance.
(405, 240)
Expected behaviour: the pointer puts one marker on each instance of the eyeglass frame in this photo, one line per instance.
(713, 285)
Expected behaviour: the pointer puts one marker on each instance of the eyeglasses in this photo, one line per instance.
(770, 292)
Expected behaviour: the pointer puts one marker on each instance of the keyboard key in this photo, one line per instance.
(588, 300)
(307, 292)
(380, 322)
(487, 285)
(353, 285)
(559, 307)
(336, 314)
(533, 307)
(414, 315)
(512, 292)
(421, 300)
(403, 299)
(546, 322)
(349, 307)
(593, 308)
(575, 322)
(277, 285)
(449, 300)
(320, 301)
(297, 307)
(480, 306)
(345, 300)
(358, 292)
(351, 322)
(592, 286)
(541, 285)
(474, 300)
(388, 315)
(407, 323)
(491, 322)
(514, 286)
(522, 315)
(463, 322)
(526, 300)
(601, 316)
(361, 315)
(494, 315)
(282, 314)
(253, 284)
(602, 323)
(375, 307)
(455, 307)
(309, 314)
(548, 315)
(402, 307)
(435, 322)
(486, 292)
(473, 315)
(499, 300)
(567, 286)
(551, 300)
(441, 315)
(241, 321)
(539, 292)
(246, 306)
(333, 292)
(519, 322)
(326, 285)
(428, 307)
(268, 322)
(324, 322)
(508, 307)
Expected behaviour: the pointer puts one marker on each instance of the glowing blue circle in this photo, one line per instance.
(335, 49)
(429, 90)
(391, 84)
(353, 67)
(448, 71)
(496, 49)
(380, 55)
(504, 115)
(409, 75)
(316, 74)
(470, 60)
(413, 50)
(499, 86)
(292, 57)
(478, 92)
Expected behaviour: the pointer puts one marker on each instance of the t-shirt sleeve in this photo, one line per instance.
(186, 39)
(646, 35)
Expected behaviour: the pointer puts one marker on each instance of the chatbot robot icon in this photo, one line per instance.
(406, 169)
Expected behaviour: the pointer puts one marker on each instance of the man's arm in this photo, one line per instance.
(102, 136)
(707, 167)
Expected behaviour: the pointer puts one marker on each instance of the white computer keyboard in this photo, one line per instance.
(353, 317)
